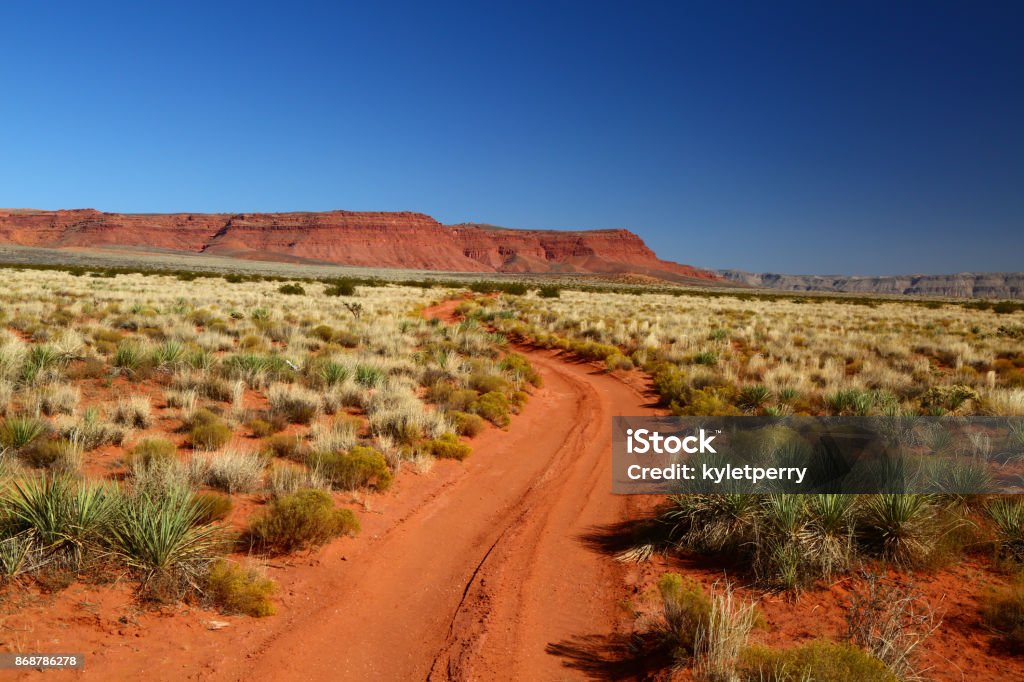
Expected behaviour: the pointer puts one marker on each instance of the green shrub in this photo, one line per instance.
(820, 661)
(486, 383)
(948, 397)
(447, 446)
(686, 610)
(516, 364)
(306, 518)
(1007, 513)
(1003, 611)
(340, 287)
(61, 454)
(361, 466)
(291, 289)
(466, 424)
(261, 428)
(151, 452)
(284, 445)
(215, 507)
(706, 402)
(549, 292)
(210, 435)
(238, 589)
(493, 407)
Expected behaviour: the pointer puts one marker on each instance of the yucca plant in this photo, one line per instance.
(901, 527)
(128, 356)
(828, 535)
(169, 354)
(334, 373)
(1007, 513)
(20, 431)
(37, 361)
(15, 555)
(62, 517)
(158, 536)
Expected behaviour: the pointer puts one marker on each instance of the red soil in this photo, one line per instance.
(371, 239)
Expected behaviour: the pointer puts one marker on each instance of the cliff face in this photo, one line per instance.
(372, 239)
(964, 284)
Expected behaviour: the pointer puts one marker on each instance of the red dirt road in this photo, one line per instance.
(465, 573)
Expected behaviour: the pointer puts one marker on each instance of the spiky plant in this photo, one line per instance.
(62, 517)
(1007, 513)
(828, 535)
(901, 527)
(20, 431)
(159, 537)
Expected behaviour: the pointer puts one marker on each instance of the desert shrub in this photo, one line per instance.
(549, 292)
(291, 289)
(460, 399)
(482, 382)
(215, 507)
(306, 518)
(493, 407)
(361, 466)
(447, 446)
(340, 287)
(1003, 612)
(91, 430)
(160, 538)
(133, 412)
(239, 589)
(948, 397)
(284, 445)
(210, 435)
(705, 402)
(516, 364)
(820, 661)
(58, 399)
(618, 361)
(61, 455)
(298, 405)
(707, 358)
(19, 432)
(685, 609)
(890, 620)
(334, 373)
(262, 428)
(753, 397)
(284, 478)
(229, 470)
(466, 424)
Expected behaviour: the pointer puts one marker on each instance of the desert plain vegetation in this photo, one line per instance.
(178, 433)
(922, 578)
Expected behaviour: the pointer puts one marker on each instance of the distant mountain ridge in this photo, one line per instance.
(404, 240)
(960, 285)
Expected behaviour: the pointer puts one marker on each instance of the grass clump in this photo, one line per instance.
(305, 518)
(296, 404)
(493, 407)
(216, 507)
(240, 589)
(1003, 612)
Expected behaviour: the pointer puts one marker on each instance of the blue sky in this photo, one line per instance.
(862, 137)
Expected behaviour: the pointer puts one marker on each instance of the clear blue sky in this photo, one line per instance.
(818, 137)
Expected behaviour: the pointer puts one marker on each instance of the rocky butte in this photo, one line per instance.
(371, 239)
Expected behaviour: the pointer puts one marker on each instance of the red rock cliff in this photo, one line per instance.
(372, 239)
